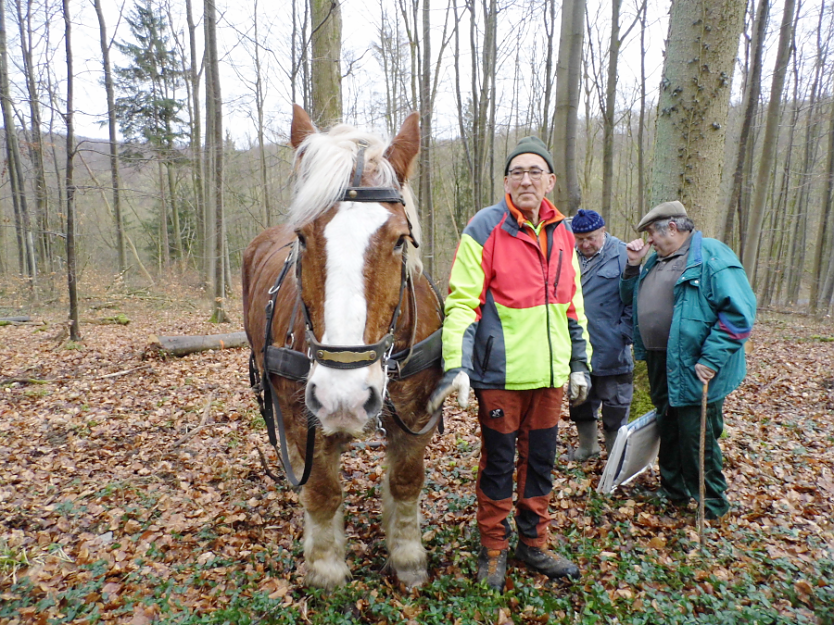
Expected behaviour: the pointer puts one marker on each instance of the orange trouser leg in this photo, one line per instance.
(526, 421)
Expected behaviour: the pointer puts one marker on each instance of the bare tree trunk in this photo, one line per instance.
(26, 251)
(326, 66)
(426, 207)
(219, 314)
(820, 244)
(608, 113)
(750, 102)
(197, 142)
(259, 106)
(163, 244)
(693, 105)
(797, 254)
(210, 258)
(36, 145)
(75, 325)
(114, 146)
(768, 150)
(641, 163)
(172, 194)
(549, 22)
(567, 193)
(773, 265)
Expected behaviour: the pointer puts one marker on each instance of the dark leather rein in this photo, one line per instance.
(291, 364)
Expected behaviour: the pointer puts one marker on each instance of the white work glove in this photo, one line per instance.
(454, 380)
(580, 384)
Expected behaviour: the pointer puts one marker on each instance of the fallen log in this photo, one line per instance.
(182, 345)
(14, 321)
(120, 319)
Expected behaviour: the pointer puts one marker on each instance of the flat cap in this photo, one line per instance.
(662, 211)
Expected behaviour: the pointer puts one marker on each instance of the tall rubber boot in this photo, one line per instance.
(588, 445)
(610, 438)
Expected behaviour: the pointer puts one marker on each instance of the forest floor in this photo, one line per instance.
(116, 508)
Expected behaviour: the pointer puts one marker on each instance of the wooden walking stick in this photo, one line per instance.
(701, 480)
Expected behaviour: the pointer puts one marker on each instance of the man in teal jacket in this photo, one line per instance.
(693, 311)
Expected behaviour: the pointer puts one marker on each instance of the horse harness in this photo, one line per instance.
(294, 365)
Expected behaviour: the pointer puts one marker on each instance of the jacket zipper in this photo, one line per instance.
(547, 310)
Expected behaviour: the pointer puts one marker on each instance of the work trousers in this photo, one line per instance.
(679, 429)
(526, 421)
(613, 393)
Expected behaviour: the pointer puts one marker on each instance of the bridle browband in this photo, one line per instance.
(336, 356)
(357, 193)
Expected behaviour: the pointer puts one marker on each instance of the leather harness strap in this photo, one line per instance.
(270, 409)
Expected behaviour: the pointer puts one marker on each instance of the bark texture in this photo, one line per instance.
(326, 65)
(693, 106)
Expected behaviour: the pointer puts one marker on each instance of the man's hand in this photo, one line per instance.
(579, 386)
(704, 373)
(454, 380)
(636, 251)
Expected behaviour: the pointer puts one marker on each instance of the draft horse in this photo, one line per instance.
(344, 329)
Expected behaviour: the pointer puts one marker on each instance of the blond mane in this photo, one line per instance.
(324, 163)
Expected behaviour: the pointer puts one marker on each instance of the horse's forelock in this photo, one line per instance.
(324, 164)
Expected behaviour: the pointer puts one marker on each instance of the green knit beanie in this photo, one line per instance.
(530, 145)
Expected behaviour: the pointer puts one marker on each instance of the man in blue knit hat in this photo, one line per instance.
(602, 259)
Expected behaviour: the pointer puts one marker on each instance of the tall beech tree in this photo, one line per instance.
(693, 105)
(112, 127)
(35, 140)
(25, 239)
(567, 193)
(214, 140)
(326, 62)
(753, 232)
(69, 181)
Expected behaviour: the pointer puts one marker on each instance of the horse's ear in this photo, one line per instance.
(405, 147)
(302, 126)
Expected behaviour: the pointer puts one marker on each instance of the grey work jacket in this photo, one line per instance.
(609, 320)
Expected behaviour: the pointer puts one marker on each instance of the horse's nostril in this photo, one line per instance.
(312, 401)
(374, 403)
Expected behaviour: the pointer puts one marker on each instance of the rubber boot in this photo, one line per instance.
(588, 445)
(610, 437)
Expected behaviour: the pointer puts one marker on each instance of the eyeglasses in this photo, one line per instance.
(517, 174)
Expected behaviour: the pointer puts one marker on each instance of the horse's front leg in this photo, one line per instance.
(324, 532)
(401, 490)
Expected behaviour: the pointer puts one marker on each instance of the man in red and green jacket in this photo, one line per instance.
(516, 331)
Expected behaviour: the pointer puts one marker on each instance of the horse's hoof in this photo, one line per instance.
(412, 578)
(327, 574)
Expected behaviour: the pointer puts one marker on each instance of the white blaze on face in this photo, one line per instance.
(343, 394)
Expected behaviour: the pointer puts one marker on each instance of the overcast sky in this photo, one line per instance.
(363, 87)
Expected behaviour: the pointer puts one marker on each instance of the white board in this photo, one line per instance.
(634, 451)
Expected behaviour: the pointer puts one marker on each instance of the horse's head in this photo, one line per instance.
(354, 251)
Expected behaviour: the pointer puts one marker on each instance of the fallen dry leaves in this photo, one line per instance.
(143, 465)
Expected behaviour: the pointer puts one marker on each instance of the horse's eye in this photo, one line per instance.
(302, 240)
(400, 243)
